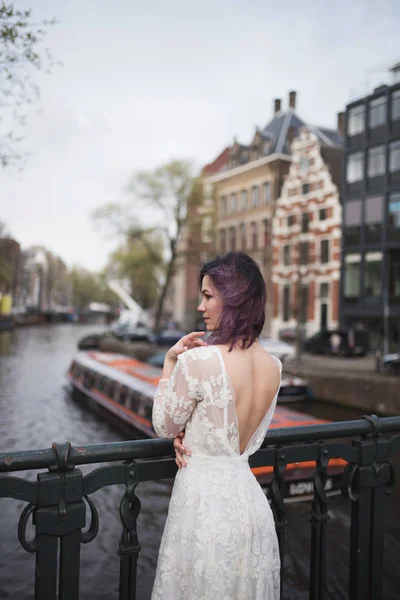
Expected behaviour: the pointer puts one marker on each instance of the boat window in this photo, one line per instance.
(122, 395)
(141, 411)
(128, 401)
(148, 411)
(88, 380)
(135, 401)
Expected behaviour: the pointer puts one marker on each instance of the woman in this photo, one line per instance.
(219, 541)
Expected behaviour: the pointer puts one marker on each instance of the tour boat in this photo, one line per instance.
(125, 387)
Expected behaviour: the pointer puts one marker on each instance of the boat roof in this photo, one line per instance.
(144, 378)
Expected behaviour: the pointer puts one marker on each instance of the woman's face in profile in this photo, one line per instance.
(210, 305)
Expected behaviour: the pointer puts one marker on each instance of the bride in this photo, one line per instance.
(219, 541)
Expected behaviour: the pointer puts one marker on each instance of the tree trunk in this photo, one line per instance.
(164, 291)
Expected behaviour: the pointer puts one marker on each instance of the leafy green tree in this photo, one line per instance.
(141, 262)
(89, 287)
(166, 193)
(21, 53)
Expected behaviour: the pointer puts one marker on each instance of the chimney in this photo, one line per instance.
(340, 122)
(277, 105)
(292, 100)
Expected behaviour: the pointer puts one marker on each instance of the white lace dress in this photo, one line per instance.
(219, 541)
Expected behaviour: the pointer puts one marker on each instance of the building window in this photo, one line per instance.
(291, 220)
(355, 167)
(324, 291)
(206, 233)
(222, 206)
(395, 112)
(305, 188)
(286, 256)
(255, 200)
(243, 195)
(373, 218)
(232, 238)
(233, 203)
(322, 214)
(286, 303)
(373, 274)
(242, 235)
(254, 235)
(377, 112)
(352, 222)
(267, 192)
(266, 148)
(304, 222)
(303, 248)
(394, 216)
(304, 163)
(376, 161)
(325, 251)
(352, 278)
(356, 120)
(222, 241)
(394, 275)
(394, 160)
(303, 303)
(266, 232)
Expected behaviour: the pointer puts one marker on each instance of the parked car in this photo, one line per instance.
(280, 349)
(338, 342)
(129, 333)
(388, 363)
(167, 337)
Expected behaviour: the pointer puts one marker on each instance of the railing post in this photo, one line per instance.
(319, 519)
(277, 503)
(129, 546)
(366, 484)
(60, 513)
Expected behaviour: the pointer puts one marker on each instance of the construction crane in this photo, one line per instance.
(135, 312)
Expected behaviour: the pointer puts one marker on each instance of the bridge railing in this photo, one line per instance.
(60, 498)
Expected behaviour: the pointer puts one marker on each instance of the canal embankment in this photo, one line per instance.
(350, 382)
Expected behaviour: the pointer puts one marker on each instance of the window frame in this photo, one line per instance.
(374, 107)
(382, 167)
(352, 162)
(354, 120)
(327, 244)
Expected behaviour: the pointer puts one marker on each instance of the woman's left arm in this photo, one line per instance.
(174, 401)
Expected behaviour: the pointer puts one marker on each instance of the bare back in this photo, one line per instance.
(255, 378)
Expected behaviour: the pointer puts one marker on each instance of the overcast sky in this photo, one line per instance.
(146, 82)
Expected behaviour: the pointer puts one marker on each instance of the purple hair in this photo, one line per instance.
(238, 280)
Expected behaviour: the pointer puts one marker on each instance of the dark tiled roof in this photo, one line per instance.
(284, 123)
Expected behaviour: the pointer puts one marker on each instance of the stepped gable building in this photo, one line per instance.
(246, 189)
(306, 234)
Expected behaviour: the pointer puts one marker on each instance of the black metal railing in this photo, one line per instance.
(57, 500)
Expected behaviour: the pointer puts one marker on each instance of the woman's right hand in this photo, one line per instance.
(180, 451)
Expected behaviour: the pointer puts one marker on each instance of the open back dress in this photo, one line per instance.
(219, 541)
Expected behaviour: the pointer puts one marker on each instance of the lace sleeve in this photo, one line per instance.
(174, 401)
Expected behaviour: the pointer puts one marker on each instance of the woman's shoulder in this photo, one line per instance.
(202, 353)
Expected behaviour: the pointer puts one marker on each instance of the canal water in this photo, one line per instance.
(36, 409)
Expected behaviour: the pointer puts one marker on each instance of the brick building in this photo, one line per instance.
(307, 234)
(197, 244)
(247, 188)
